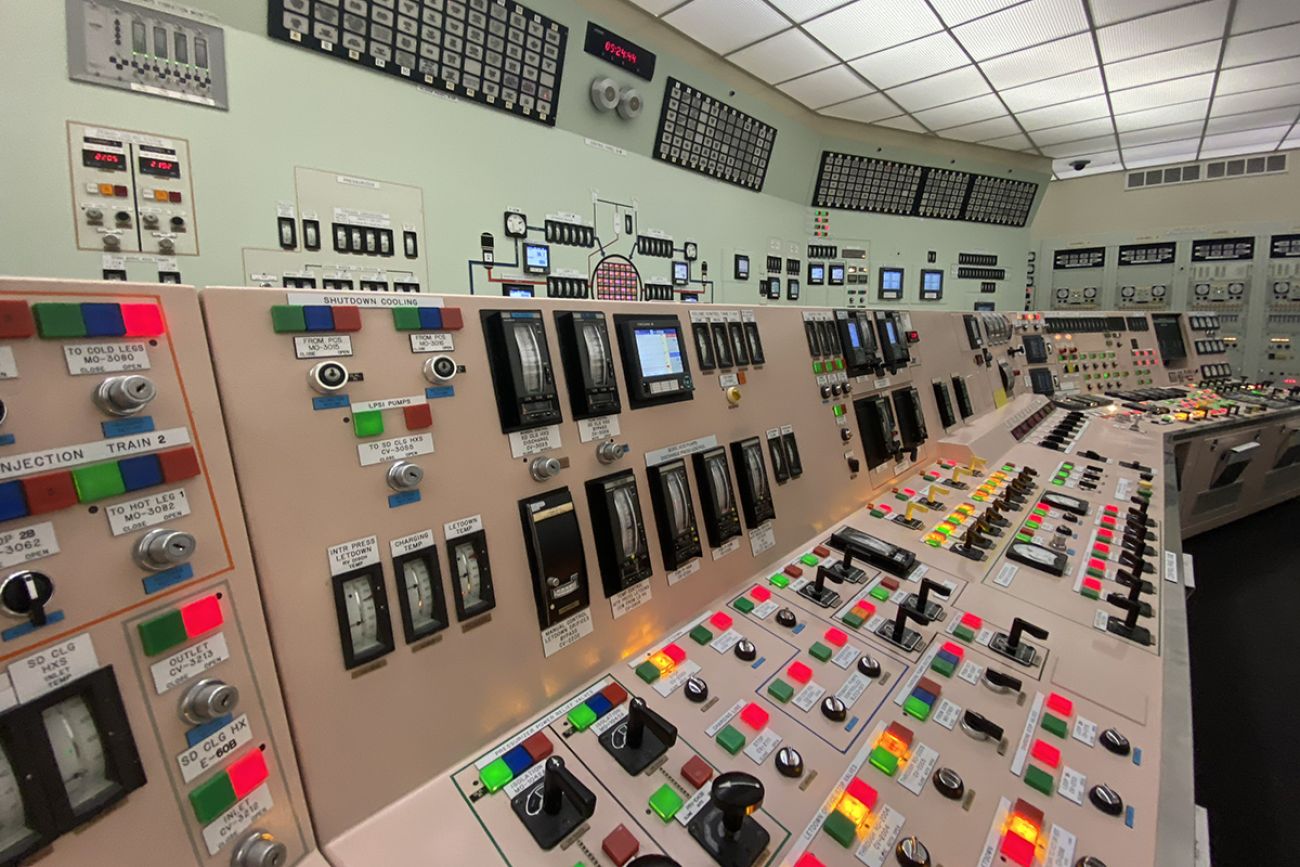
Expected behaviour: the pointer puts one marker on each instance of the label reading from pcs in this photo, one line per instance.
(147, 511)
(25, 544)
(414, 542)
(88, 358)
(531, 442)
(53, 667)
(567, 632)
(215, 747)
(601, 427)
(189, 662)
(8, 367)
(440, 342)
(397, 448)
(323, 346)
(237, 819)
(462, 527)
(357, 554)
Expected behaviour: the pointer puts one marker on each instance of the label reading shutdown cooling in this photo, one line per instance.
(89, 358)
(214, 748)
(189, 662)
(147, 511)
(53, 667)
(25, 544)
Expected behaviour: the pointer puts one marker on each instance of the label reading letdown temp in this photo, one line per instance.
(189, 662)
(397, 448)
(25, 544)
(238, 819)
(53, 667)
(214, 748)
(147, 511)
(323, 346)
(91, 358)
(462, 527)
(567, 632)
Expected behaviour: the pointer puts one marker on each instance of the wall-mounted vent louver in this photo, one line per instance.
(1209, 170)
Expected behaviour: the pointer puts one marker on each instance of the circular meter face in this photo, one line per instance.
(78, 750)
(363, 618)
(418, 582)
(516, 225)
(13, 818)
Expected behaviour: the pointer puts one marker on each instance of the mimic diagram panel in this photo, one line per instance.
(138, 688)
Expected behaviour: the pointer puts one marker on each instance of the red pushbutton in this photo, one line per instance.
(16, 319)
(453, 321)
(1017, 849)
(793, 571)
(862, 793)
(836, 637)
(248, 773)
(120, 191)
(930, 686)
(754, 716)
(347, 318)
(174, 197)
(1059, 704)
(142, 320)
(697, 772)
(675, 653)
(760, 593)
(538, 746)
(972, 621)
(722, 620)
(799, 672)
(418, 417)
(1046, 753)
(178, 464)
(50, 492)
(955, 649)
(202, 616)
(808, 859)
(822, 551)
(615, 694)
(620, 846)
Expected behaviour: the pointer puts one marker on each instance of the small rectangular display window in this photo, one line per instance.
(891, 284)
(742, 267)
(109, 161)
(681, 273)
(931, 285)
(159, 167)
(836, 275)
(791, 290)
(537, 258)
(816, 273)
(420, 595)
(471, 575)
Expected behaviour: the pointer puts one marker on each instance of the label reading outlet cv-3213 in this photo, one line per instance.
(189, 662)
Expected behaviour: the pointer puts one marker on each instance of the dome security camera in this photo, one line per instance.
(1079, 165)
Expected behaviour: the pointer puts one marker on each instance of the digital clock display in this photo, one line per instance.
(107, 160)
(160, 168)
(621, 52)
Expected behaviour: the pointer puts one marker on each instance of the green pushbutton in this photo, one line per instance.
(817, 367)
(215, 797)
(780, 690)
(406, 318)
(665, 802)
(1033, 523)
(288, 317)
(1040, 512)
(965, 633)
(883, 760)
(369, 423)
(59, 320)
(647, 671)
(877, 513)
(780, 580)
(809, 560)
(743, 604)
(1055, 725)
(497, 774)
(701, 634)
(1037, 778)
(1089, 593)
(943, 666)
(820, 651)
(582, 716)
(98, 481)
(1058, 482)
(839, 364)
(852, 619)
(878, 593)
(1024, 537)
(730, 740)
(837, 411)
(917, 708)
(162, 633)
(1096, 573)
(900, 496)
(840, 828)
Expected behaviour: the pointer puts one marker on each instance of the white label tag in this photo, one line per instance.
(728, 380)
(1005, 574)
(1027, 735)
(566, 632)
(88, 358)
(12, 466)
(762, 746)
(384, 451)
(683, 572)
(1085, 731)
(53, 667)
(389, 403)
(765, 610)
(25, 544)
(1171, 567)
(533, 775)
(462, 527)
(630, 599)
(727, 548)
(693, 805)
(947, 714)
(238, 819)
(809, 696)
(363, 299)
(1060, 848)
(8, 366)
(852, 689)
(848, 654)
(1072, 785)
(762, 539)
(666, 686)
(323, 346)
(189, 662)
(147, 511)
(215, 747)
(532, 442)
(357, 554)
(970, 672)
(8, 698)
(726, 641)
(601, 427)
(658, 456)
(879, 845)
(723, 720)
(439, 342)
(414, 542)
(918, 769)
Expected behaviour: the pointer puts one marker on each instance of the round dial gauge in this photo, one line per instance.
(1127, 291)
(363, 615)
(1062, 293)
(78, 750)
(1090, 292)
(1236, 289)
(1159, 290)
(1202, 289)
(691, 250)
(13, 818)
(417, 581)
(516, 225)
(467, 573)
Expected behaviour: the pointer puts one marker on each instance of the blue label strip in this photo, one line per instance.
(51, 617)
(434, 392)
(6, 439)
(121, 427)
(163, 580)
(196, 735)
(402, 499)
(333, 401)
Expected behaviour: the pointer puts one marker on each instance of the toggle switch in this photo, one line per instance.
(125, 395)
(162, 548)
(555, 806)
(638, 741)
(725, 827)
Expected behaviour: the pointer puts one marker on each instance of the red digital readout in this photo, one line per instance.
(97, 159)
(615, 50)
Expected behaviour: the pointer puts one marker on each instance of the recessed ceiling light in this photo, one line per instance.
(1163, 65)
(1053, 91)
(1043, 61)
(1183, 26)
(946, 87)
(865, 26)
(1196, 87)
(786, 55)
(1021, 26)
(910, 61)
(826, 87)
(725, 25)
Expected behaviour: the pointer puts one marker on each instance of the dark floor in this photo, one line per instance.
(1244, 619)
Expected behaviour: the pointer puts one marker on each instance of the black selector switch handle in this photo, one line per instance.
(1002, 680)
(737, 794)
(640, 717)
(928, 584)
(1019, 626)
(558, 784)
(900, 620)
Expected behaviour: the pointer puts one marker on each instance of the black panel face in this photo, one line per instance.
(717, 495)
(741, 269)
(963, 397)
(893, 341)
(1223, 249)
(706, 135)
(1284, 247)
(1161, 253)
(722, 346)
(656, 361)
(471, 575)
(757, 356)
(947, 417)
(361, 603)
(857, 341)
(1040, 380)
(880, 441)
(816, 273)
(1035, 349)
(780, 464)
(588, 356)
(619, 531)
(670, 493)
(813, 334)
(703, 338)
(739, 343)
(791, 290)
(555, 556)
(1079, 257)
(911, 418)
(792, 458)
(836, 275)
(1169, 337)
(891, 284)
(446, 47)
(931, 285)
(419, 593)
(522, 377)
(973, 334)
(751, 476)
(830, 337)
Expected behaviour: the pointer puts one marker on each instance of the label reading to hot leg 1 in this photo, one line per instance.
(147, 511)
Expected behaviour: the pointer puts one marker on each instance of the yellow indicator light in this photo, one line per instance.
(663, 662)
(893, 745)
(1023, 827)
(853, 809)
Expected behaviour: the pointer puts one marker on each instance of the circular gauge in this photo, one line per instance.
(1281, 289)
(1236, 289)
(13, 816)
(691, 250)
(1159, 291)
(516, 224)
(1201, 290)
(417, 581)
(1090, 292)
(363, 615)
(78, 750)
(1062, 293)
(1127, 291)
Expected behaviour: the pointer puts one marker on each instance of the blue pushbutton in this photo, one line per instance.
(13, 504)
(431, 318)
(924, 695)
(948, 657)
(318, 317)
(518, 760)
(144, 471)
(599, 705)
(103, 320)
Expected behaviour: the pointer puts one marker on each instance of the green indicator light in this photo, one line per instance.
(820, 651)
(730, 740)
(406, 318)
(840, 828)
(286, 318)
(809, 560)
(647, 671)
(162, 633)
(743, 604)
(883, 760)
(780, 690)
(497, 774)
(665, 802)
(581, 717)
(917, 708)
(1037, 778)
(98, 481)
(779, 580)
(701, 635)
(1055, 725)
(369, 423)
(213, 798)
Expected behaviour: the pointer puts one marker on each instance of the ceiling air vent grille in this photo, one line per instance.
(1208, 170)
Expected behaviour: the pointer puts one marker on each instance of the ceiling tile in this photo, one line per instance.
(1238, 142)
(1273, 97)
(955, 12)
(902, 122)
(1109, 11)
(1164, 65)
(1068, 112)
(1054, 90)
(969, 111)
(826, 87)
(1180, 151)
(1167, 114)
(1262, 45)
(1252, 120)
(865, 26)
(1107, 161)
(802, 10)
(1258, 14)
(1237, 150)
(1075, 148)
(1043, 61)
(1172, 29)
(657, 7)
(868, 109)
(1021, 26)
(1196, 87)
(1017, 142)
(983, 130)
(919, 58)
(785, 55)
(1260, 75)
(725, 25)
(1074, 131)
(940, 89)
(1158, 134)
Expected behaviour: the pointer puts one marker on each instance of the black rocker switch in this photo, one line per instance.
(725, 827)
(1120, 600)
(1136, 563)
(1126, 578)
(1010, 646)
(980, 727)
(931, 611)
(818, 592)
(553, 807)
(1000, 681)
(1128, 627)
(643, 737)
(897, 633)
(843, 571)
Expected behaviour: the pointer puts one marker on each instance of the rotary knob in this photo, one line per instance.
(207, 700)
(869, 666)
(164, 549)
(1089, 861)
(125, 395)
(1106, 799)
(405, 476)
(785, 617)
(696, 689)
(24, 594)
(911, 852)
(834, 709)
(949, 783)
(259, 849)
(789, 763)
(1115, 742)
(745, 650)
